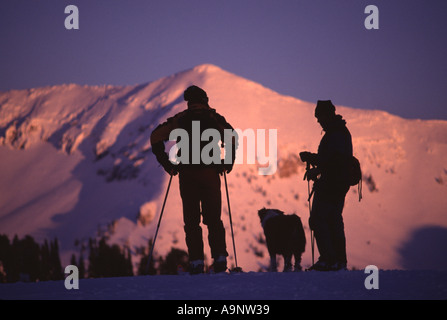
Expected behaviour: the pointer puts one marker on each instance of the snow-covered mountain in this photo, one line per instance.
(76, 160)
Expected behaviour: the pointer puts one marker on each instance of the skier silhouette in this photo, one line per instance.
(199, 182)
(330, 173)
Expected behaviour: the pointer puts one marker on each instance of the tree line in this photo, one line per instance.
(26, 260)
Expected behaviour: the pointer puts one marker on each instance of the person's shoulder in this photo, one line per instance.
(217, 114)
(181, 113)
(175, 118)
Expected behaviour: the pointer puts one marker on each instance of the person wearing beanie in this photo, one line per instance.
(199, 182)
(330, 166)
(195, 96)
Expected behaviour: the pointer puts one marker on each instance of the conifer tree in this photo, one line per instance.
(81, 267)
(5, 257)
(45, 262)
(56, 266)
(174, 259)
(143, 268)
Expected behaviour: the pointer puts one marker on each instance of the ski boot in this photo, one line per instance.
(196, 267)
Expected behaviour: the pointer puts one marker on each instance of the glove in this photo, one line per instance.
(170, 168)
(224, 168)
(312, 174)
(308, 157)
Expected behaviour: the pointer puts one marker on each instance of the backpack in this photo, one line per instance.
(355, 175)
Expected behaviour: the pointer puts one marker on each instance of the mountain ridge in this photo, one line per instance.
(79, 162)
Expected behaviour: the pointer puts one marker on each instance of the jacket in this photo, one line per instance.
(208, 119)
(333, 159)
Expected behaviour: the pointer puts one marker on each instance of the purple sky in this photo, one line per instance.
(308, 49)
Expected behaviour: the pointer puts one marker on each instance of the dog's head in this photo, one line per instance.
(264, 212)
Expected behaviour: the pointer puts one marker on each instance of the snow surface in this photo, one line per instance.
(75, 163)
(342, 285)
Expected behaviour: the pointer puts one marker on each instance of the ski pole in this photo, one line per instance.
(158, 226)
(312, 238)
(231, 222)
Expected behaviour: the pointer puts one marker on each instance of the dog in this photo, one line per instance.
(285, 236)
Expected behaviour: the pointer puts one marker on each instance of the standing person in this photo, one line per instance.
(330, 173)
(199, 182)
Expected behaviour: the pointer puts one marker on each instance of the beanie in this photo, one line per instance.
(324, 107)
(195, 94)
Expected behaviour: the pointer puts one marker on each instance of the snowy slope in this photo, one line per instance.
(257, 288)
(76, 161)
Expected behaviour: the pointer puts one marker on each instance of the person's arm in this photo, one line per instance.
(158, 138)
(230, 143)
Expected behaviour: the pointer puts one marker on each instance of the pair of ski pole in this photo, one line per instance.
(237, 269)
(310, 193)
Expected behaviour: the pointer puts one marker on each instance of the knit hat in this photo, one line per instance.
(195, 94)
(324, 107)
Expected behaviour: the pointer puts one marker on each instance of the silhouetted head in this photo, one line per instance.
(262, 213)
(266, 213)
(324, 112)
(194, 94)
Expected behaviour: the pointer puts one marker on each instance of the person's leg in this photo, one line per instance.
(191, 215)
(319, 222)
(211, 200)
(338, 233)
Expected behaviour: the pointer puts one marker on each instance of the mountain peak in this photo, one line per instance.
(207, 67)
(208, 71)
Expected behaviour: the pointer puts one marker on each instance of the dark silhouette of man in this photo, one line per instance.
(199, 180)
(330, 174)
